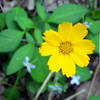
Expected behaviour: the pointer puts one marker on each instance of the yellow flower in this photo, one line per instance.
(67, 47)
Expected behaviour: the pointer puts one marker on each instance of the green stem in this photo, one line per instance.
(43, 85)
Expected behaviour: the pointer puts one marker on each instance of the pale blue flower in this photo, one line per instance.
(75, 80)
(87, 24)
(28, 65)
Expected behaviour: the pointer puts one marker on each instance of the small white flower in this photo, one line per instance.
(28, 65)
(75, 80)
(87, 24)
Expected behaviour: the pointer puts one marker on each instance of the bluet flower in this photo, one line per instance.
(28, 65)
(75, 80)
(87, 24)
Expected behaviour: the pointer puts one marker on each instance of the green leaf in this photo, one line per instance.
(29, 38)
(68, 12)
(16, 62)
(84, 73)
(41, 11)
(2, 20)
(12, 15)
(88, 19)
(16, 94)
(47, 26)
(25, 23)
(94, 98)
(96, 14)
(38, 22)
(38, 36)
(94, 27)
(41, 71)
(95, 40)
(10, 39)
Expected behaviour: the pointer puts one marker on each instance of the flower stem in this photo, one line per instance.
(43, 85)
(76, 94)
(93, 81)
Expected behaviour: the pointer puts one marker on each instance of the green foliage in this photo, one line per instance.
(25, 23)
(96, 14)
(84, 73)
(67, 12)
(94, 27)
(12, 15)
(41, 71)
(21, 36)
(10, 39)
(38, 22)
(29, 38)
(47, 26)
(95, 39)
(32, 86)
(60, 78)
(2, 20)
(16, 94)
(38, 36)
(41, 11)
(16, 62)
(94, 98)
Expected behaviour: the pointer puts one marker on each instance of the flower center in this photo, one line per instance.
(65, 47)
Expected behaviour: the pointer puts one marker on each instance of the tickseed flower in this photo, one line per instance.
(67, 47)
(28, 65)
(75, 80)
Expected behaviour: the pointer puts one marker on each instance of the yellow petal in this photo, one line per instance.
(64, 30)
(84, 46)
(80, 59)
(52, 37)
(68, 66)
(79, 31)
(54, 63)
(47, 49)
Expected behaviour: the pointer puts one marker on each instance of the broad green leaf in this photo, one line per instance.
(2, 20)
(95, 40)
(88, 19)
(84, 73)
(12, 15)
(38, 22)
(94, 97)
(16, 62)
(41, 71)
(15, 94)
(96, 14)
(94, 27)
(10, 39)
(41, 11)
(68, 12)
(38, 36)
(25, 23)
(29, 38)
